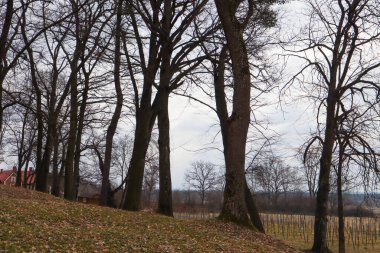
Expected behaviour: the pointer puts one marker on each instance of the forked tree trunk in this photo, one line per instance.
(234, 127)
(145, 116)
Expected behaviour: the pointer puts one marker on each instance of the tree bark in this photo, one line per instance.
(69, 170)
(135, 174)
(55, 184)
(3, 54)
(165, 191)
(321, 212)
(145, 116)
(50, 137)
(342, 246)
(105, 194)
(235, 127)
(165, 184)
(73, 128)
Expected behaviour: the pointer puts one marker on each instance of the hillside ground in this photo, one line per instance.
(38, 222)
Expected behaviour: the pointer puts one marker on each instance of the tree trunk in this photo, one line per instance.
(55, 184)
(69, 162)
(135, 174)
(342, 246)
(321, 211)
(73, 128)
(50, 141)
(234, 205)
(145, 115)
(165, 191)
(41, 177)
(235, 127)
(165, 185)
(106, 196)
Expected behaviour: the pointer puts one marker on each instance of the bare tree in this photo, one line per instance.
(310, 169)
(173, 55)
(13, 47)
(21, 133)
(202, 176)
(234, 126)
(121, 157)
(274, 178)
(151, 175)
(338, 49)
(89, 21)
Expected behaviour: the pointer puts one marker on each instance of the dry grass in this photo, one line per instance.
(36, 222)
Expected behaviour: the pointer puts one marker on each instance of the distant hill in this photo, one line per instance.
(38, 222)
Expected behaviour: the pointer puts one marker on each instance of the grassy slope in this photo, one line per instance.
(32, 221)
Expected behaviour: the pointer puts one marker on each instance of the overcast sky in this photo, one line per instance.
(194, 126)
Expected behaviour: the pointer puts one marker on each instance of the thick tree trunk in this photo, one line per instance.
(234, 205)
(55, 184)
(69, 162)
(165, 191)
(145, 115)
(26, 169)
(135, 174)
(235, 127)
(50, 142)
(321, 212)
(165, 183)
(51, 137)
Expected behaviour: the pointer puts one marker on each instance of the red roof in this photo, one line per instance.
(5, 174)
